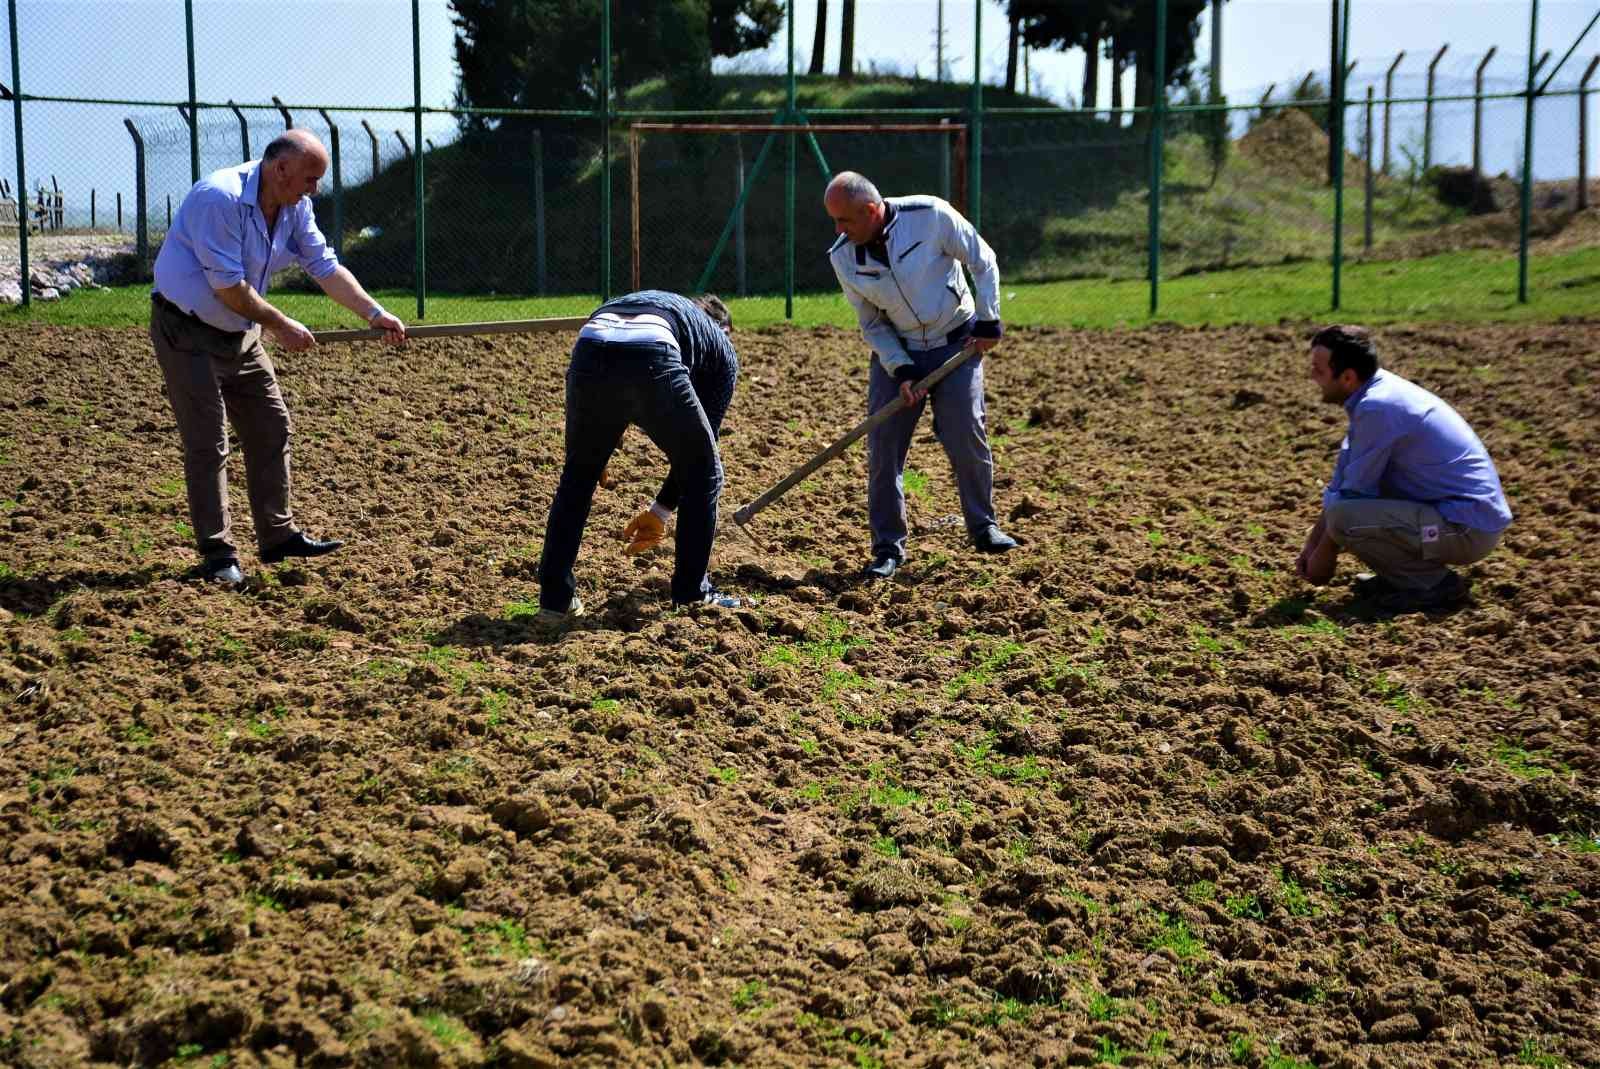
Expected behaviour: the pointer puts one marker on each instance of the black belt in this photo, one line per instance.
(158, 299)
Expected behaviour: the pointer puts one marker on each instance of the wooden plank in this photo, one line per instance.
(461, 330)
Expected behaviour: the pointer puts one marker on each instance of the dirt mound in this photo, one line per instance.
(1128, 795)
(1291, 145)
(1551, 230)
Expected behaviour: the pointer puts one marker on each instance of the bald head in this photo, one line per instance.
(855, 206)
(853, 188)
(295, 143)
(291, 167)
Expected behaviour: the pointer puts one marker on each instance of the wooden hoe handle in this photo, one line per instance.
(455, 330)
(748, 513)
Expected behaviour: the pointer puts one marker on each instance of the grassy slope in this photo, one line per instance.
(1063, 197)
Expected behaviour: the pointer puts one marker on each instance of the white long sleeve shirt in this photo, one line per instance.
(920, 296)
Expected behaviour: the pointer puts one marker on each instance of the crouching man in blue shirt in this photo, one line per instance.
(234, 229)
(1413, 490)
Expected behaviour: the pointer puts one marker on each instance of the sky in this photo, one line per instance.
(357, 53)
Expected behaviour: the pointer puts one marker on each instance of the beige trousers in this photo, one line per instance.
(1406, 542)
(213, 378)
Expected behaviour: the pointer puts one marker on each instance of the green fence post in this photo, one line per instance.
(338, 183)
(244, 131)
(975, 160)
(1477, 114)
(1583, 135)
(605, 150)
(1388, 99)
(1527, 160)
(1427, 110)
(944, 162)
(1158, 116)
(1336, 117)
(538, 212)
(788, 182)
(22, 171)
(1366, 224)
(416, 162)
(372, 137)
(194, 114)
(141, 218)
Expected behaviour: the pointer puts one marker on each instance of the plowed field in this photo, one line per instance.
(1130, 795)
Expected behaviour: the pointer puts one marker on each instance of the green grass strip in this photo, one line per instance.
(1460, 287)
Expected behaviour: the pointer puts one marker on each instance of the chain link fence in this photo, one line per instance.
(520, 203)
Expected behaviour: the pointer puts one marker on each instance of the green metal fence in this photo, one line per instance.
(577, 203)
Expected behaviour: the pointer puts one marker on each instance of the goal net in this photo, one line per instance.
(708, 201)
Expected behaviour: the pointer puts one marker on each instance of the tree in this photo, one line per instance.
(1129, 26)
(1011, 54)
(743, 25)
(1065, 24)
(546, 53)
(847, 40)
(1135, 35)
(819, 39)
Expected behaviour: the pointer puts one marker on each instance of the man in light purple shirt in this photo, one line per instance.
(234, 229)
(1413, 490)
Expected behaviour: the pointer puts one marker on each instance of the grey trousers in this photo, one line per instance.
(213, 378)
(1406, 542)
(958, 414)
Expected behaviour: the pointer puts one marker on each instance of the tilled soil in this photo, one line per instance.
(1130, 795)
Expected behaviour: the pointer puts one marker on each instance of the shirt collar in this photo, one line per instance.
(889, 214)
(878, 247)
(252, 184)
(1361, 392)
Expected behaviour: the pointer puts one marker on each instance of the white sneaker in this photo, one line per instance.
(716, 599)
(551, 619)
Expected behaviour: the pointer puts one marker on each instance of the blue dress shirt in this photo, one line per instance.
(219, 238)
(1404, 443)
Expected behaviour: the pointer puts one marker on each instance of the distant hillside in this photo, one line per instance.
(1062, 195)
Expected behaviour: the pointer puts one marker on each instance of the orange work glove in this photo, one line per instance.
(644, 532)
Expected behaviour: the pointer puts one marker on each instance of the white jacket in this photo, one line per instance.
(916, 300)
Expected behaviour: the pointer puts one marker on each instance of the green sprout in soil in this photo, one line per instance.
(446, 1029)
(1524, 763)
(1295, 899)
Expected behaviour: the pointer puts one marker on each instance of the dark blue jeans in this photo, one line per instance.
(610, 386)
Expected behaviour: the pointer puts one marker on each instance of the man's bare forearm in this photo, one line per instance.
(242, 299)
(341, 286)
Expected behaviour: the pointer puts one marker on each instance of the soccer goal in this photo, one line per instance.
(684, 175)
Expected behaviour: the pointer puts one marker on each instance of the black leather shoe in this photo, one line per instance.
(1371, 587)
(993, 540)
(225, 572)
(1450, 591)
(298, 544)
(882, 566)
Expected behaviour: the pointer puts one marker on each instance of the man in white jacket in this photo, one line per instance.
(899, 262)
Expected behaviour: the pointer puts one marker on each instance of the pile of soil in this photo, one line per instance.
(1549, 231)
(1289, 144)
(1129, 795)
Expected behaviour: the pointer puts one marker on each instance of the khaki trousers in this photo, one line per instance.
(213, 378)
(1406, 542)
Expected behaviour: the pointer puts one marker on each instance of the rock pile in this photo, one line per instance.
(59, 265)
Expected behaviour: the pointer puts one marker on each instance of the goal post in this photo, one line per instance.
(951, 177)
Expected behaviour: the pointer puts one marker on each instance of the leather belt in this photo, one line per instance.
(158, 299)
